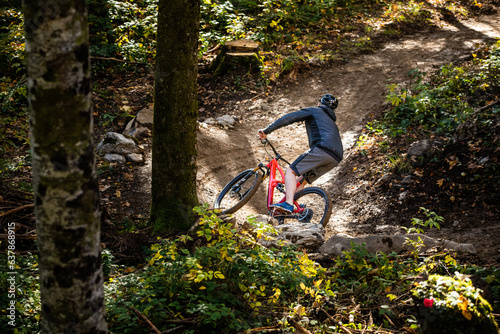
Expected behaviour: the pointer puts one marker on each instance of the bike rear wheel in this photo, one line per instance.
(317, 206)
(238, 191)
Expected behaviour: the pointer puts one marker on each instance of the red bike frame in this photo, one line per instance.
(271, 167)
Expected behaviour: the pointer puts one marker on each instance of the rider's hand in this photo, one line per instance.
(262, 135)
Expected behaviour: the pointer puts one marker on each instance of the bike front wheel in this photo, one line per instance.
(238, 191)
(316, 204)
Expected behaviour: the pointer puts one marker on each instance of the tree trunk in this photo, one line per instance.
(175, 116)
(64, 176)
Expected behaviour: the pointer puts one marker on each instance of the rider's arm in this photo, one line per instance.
(287, 119)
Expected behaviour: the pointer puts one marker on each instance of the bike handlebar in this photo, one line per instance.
(277, 155)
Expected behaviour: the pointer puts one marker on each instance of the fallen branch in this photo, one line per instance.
(260, 329)
(298, 327)
(329, 316)
(345, 329)
(27, 206)
(120, 60)
(143, 317)
(22, 192)
(489, 105)
(213, 49)
(172, 330)
(389, 319)
(31, 228)
(181, 322)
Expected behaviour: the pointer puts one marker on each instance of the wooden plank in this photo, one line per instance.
(240, 54)
(242, 45)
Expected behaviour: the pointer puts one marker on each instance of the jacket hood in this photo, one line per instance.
(329, 111)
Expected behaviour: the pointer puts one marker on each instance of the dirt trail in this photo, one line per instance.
(360, 86)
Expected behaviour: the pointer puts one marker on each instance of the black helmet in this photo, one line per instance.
(329, 101)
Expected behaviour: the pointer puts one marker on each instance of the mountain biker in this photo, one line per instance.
(325, 146)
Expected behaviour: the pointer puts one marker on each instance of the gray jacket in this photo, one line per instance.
(321, 128)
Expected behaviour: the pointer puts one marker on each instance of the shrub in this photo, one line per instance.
(447, 100)
(227, 283)
(446, 302)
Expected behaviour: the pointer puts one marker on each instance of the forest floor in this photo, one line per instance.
(361, 206)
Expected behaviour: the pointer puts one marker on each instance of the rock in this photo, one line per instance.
(135, 157)
(111, 157)
(336, 245)
(210, 121)
(265, 107)
(406, 180)
(142, 124)
(419, 151)
(117, 143)
(386, 179)
(226, 120)
(309, 236)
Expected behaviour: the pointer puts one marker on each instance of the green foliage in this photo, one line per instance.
(220, 280)
(123, 29)
(11, 42)
(444, 102)
(27, 295)
(228, 283)
(433, 220)
(399, 163)
(13, 111)
(453, 302)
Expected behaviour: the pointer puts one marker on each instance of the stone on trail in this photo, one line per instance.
(116, 147)
(118, 144)
(336, 245)
(225, 121)
(135, 157)
(111, 157)
(141, 125)
(307, 235)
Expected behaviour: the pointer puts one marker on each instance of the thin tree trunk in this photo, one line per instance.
(175, 116)
(64, 177)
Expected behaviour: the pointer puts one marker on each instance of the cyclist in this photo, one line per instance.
(325, 146)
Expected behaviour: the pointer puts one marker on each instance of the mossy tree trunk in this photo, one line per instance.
(64, 176)
(175, 116)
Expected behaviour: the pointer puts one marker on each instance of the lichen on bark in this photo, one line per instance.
(64, 177)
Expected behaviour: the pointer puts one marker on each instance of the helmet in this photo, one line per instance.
(329, 101)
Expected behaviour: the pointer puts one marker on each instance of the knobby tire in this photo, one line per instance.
(253, 181)
(326, 212)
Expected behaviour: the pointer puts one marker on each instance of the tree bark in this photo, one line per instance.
(175, 116)
(63, 161)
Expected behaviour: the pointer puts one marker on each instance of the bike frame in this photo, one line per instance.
(271, 170)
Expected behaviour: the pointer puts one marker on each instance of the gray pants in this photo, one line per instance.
(316, 161)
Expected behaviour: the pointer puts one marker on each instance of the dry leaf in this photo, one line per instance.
(103, 187)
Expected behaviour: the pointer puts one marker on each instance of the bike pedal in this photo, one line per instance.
(277, 213)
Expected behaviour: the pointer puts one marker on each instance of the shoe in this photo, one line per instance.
(283, 207)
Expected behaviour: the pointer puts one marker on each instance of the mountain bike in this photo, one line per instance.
(311, 204)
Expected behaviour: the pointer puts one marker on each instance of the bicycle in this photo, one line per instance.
(311, 204)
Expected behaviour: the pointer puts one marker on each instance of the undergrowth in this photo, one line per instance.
(220, 280)
(458, 109)
(449, 98)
